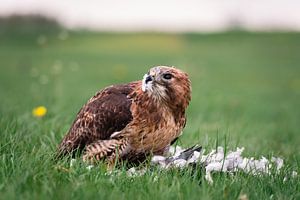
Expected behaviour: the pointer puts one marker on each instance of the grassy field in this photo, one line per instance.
(246, 92)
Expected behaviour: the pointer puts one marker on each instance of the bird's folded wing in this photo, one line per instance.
(104, 114)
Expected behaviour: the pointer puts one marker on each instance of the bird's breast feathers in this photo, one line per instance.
(154, 126)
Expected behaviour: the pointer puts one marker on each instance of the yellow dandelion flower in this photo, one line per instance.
(39, 111)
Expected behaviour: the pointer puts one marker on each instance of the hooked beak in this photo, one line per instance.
(147, 80)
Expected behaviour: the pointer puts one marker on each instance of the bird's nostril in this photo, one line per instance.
(148, 79)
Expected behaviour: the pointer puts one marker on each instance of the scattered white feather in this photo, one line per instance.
(158, 159)
(72, 162)
(278, 162)
(89, 167)
(217, 161)
(294, 174)
(175, 151)
(214, 161)
(180, 163)
(155, 179)
(195, 157)
(133, 172)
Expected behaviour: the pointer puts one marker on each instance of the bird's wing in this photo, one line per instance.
(104, 114)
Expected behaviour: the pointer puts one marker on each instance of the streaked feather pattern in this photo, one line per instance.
(105, 149)
(131, 121)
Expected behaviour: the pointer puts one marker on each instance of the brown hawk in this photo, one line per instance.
(131, 121)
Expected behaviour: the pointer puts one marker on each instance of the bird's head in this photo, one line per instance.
(169, 85)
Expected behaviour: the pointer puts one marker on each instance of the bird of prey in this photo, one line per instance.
(131, 121)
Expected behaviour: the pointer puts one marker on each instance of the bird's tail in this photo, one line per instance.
(70, 146)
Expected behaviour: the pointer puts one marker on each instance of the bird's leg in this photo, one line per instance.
(111, 150)
(113, 159)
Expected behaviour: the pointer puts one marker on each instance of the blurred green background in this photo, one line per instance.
(246, 86)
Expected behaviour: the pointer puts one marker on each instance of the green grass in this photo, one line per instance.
(246, 88)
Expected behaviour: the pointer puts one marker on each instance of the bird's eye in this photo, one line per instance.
(167, 76)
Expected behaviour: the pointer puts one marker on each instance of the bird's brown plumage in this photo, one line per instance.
(133, 120)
